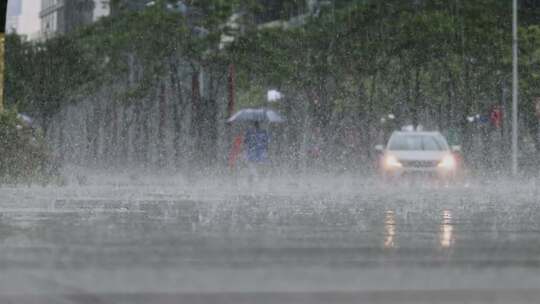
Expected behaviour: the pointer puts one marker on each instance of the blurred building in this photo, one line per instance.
(529, 12)
(59, 17)
(3, 13)
(288, 13)
(529, 4)
(13, 13)
(271, 10)
(121, 5)
(23, 18)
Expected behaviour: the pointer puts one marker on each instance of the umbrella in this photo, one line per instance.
(260, 115)
(25, 118)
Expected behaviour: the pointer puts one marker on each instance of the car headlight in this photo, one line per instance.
(390, 161)
(448, 162)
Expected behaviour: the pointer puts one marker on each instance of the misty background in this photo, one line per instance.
(150, 84)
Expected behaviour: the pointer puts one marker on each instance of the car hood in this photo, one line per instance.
(419, 155)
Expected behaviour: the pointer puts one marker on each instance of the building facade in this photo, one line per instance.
(23, 18)
(14, 11)
(122, 5)
(59, 17)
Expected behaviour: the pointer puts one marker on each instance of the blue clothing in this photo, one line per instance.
(256, 144)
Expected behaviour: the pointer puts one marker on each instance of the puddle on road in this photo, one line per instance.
(446, 235)
(389, 230)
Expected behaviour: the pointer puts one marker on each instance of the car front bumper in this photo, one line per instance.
(435, 172)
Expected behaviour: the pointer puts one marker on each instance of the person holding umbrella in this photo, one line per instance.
(256, 140)
(256, 149)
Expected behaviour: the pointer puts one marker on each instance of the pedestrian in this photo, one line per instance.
(314, 150)
(256, 147)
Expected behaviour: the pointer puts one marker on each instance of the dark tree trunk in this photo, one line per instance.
(536, 134)
(369, 117)
(90, 135)
(95, 131)
(114, 133)
(107, 134)
(208, 123)
(146, 150)
(61, 141)
(177, 105)
(162, 150)
(533, 126)
(416, 101)
(138, 142)
(450, 104)
(195, 116)
(407, 87)
(124, 137)
(466, 132)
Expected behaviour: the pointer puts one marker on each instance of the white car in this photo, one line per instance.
(418, 153)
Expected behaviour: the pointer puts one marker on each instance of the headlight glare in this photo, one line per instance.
(448, 162)
(390, 161)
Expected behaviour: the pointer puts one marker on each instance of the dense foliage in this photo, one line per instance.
(24, 155)
(433, 62)
(425, 60)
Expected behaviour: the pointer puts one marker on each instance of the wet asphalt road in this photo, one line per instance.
(320, 241)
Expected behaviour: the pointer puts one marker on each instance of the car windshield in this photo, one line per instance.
(417, 143)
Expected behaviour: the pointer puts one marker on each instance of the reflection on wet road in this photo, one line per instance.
(169, 242)
(389, 229)
(446, 236)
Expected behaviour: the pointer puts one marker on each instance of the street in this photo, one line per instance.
(276, 151)
(341, 240)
